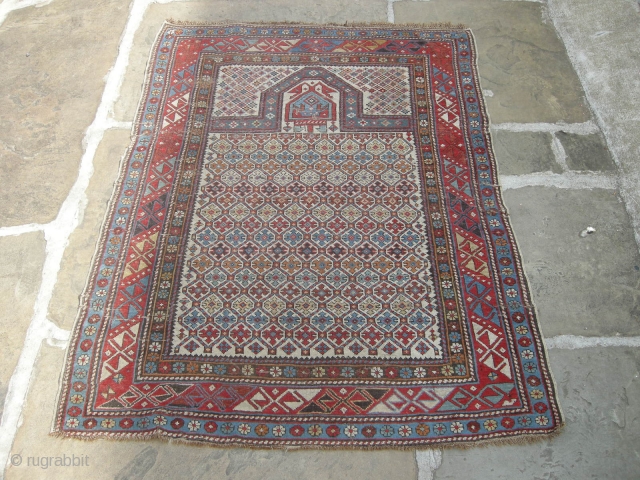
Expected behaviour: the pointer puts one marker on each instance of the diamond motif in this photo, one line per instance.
(303, 239)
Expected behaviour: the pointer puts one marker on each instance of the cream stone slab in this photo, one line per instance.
(109, 459)
(328, 11)
(76, 261)
(520, 57)
(54, 59)
(21, 261)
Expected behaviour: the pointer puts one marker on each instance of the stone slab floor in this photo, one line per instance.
(562, 86)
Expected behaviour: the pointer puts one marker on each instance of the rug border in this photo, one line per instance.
(76, 332)
(534, 324)
(497, 438)
(524, 280)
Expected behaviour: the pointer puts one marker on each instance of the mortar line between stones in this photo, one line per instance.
(584, 128)
(568, 179)
(427, 462)
(57, 235)
(391, 13)
(116, 124)
(8, 6)
(559, 152)
(391, 17)
(572, 342)
(21, 229)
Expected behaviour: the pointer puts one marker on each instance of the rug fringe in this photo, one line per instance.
(514, 439)
(424, 26)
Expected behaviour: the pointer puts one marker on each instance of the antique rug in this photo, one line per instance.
(307, 246)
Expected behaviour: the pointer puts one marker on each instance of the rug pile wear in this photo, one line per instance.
(307, 246)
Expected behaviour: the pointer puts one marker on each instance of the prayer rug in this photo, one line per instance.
(307, 246)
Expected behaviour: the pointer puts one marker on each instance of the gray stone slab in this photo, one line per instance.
(327, 11)
(599, 391)
(580, 285)
(586, 152)
(54, 61)
(76, 261)
(162, 460)
(602, 41)
(519, 153)
(21, 261)
(520, 57)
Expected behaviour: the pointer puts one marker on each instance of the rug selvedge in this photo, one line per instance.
(307, 246)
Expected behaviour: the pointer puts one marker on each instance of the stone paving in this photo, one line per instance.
(559, 77)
